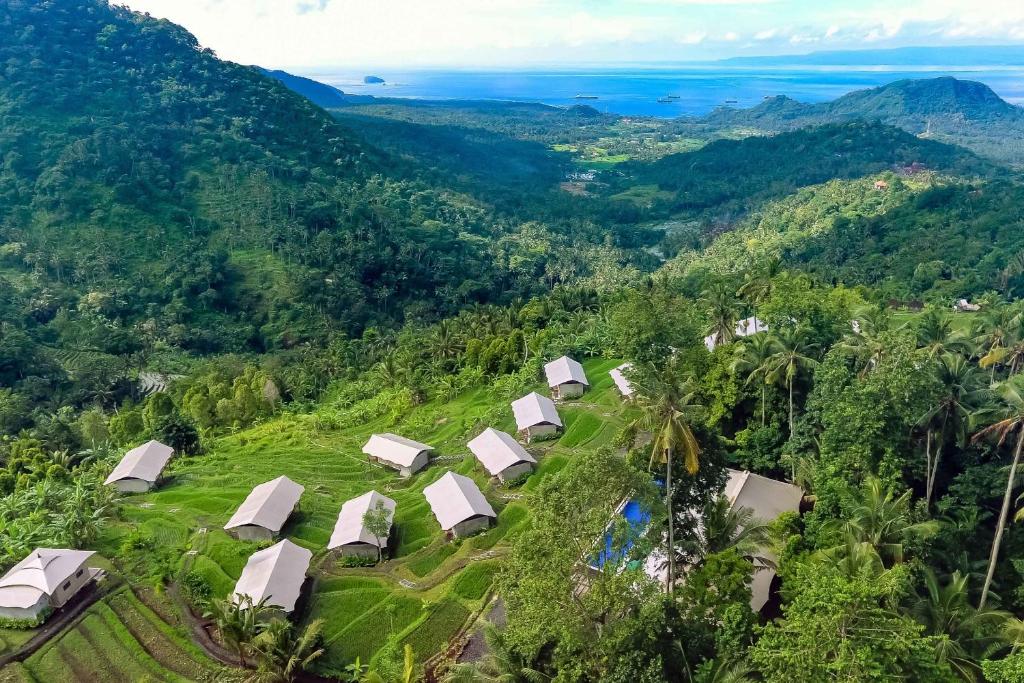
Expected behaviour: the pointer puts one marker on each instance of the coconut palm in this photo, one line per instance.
(949, 417)
(283, 651)
(882, 520)
(791, 357)
(758, 284)
(727, 527)
(991, 330)
(936, 336)
(237, 622)
(1009, 419)
(751, 359)
(721, 302)
(667, 410)
(964, 635)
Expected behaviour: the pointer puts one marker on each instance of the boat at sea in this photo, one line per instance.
(585, 97)
(731, 101)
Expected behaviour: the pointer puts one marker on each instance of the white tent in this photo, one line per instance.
(350, 528)
(275, 573)
(498, 452)
(268, 505)
(565, 371)
(744, 328)
(403, 454)
(455, 499)
(624, 385)
(533, 409)
(143, 463)
(39, 574)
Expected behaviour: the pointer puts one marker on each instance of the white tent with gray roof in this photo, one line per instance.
(46, 578)
(501, 454)
(458, 504)
(275, 573)
(536, 416)
(623, 384)
(140, 468)
(268, 506)
(351, 537)
(405, 455)
(566, 378)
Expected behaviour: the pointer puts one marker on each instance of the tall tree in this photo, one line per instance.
(791, 357)
(758, 283)
(751, 359)
(1009, 419)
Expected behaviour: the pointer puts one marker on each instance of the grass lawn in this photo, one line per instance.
(422, 595)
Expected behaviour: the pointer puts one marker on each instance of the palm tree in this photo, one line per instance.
(964, 635)
(284, 652)
(868, 343)
(991, 329)
(950, 414)
(790, 358)
(721, 300)
(500, 665)
(882, 520)
(935, 334)
(727, 527)
(1010, 418)
(237, 622)
(667, 410)
(758, 284)
(752, 358)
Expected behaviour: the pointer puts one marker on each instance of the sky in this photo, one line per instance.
(323, 34)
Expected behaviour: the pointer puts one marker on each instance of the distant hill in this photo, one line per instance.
(738, 175)
(958, 111)
(326, 96)
(963, 55)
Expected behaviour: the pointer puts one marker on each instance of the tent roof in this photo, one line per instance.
(534, 409)
(455, 498)
(144, 462)
(620, 379)
(40, 573)
(565, 370)
(498, 451)
(276, 573)
(268, 505)
(394, 448)
(350, 528)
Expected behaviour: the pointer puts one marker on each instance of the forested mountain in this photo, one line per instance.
(963, 112)
(318, 93)
(737, 175)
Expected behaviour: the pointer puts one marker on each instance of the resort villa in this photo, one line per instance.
(351, 538)
(536, 416)
(397, 452)
(458, 505)
(275, 574)
(501, 455)
(141, 467)
(263, 513)
(45, 580)
(566, 378)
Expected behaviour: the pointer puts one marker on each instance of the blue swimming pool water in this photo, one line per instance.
(638, 519)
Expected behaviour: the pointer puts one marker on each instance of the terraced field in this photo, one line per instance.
(424, 595)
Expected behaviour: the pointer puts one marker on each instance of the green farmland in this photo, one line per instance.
(423, 596)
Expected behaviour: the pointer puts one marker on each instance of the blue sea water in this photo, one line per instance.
(635, 91)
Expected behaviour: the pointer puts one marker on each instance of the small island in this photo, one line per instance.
(373, 80)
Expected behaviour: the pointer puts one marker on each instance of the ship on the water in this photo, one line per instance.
(585, 97)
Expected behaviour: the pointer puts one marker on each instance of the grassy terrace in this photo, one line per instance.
(423, 596)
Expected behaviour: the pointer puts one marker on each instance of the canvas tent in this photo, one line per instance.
(501, 455)
(744, 328)
(266, 509)
(458, 505)
(566, 378)
(624, 386)
(536, 416)
(140, 468)
(46, 579)
(351, 537)
(405, 455)
(275, 573)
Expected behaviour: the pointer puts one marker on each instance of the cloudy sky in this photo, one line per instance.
(311, 34)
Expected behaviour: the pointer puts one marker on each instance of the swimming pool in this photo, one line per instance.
(638, 518)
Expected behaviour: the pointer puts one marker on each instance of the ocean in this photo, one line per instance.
(636, 91)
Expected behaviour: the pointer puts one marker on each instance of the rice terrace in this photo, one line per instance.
(430, 592)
